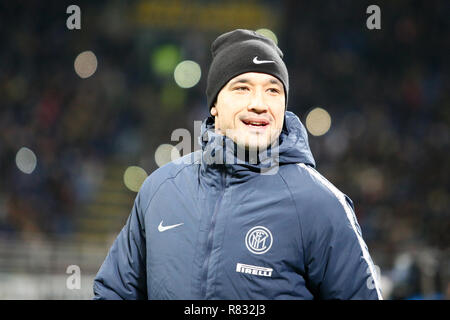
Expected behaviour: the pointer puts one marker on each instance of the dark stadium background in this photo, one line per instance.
(66, 141)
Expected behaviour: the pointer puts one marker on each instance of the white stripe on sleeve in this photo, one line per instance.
(352, 219)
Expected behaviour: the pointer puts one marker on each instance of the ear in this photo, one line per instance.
(213, 111)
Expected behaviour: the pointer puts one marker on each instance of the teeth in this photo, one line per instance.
(256, 123)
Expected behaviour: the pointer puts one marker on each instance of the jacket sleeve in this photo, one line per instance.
(122, 275)
(337, 261)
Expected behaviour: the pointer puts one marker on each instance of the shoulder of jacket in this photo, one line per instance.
(168, 171)
(308, 176)
(312, 190)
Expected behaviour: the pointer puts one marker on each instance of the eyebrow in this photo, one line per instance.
(239, 80)
(245, 80)
(275, 81)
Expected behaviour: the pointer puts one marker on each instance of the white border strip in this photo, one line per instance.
(352, 218)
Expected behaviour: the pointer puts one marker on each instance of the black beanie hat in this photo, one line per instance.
(241, 51)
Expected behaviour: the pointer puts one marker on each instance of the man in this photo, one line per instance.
(248, 216)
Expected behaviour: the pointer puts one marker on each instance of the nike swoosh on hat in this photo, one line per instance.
(256, 61)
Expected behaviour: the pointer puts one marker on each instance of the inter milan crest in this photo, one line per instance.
(258, 240)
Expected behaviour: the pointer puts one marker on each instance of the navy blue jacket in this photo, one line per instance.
(270, 228)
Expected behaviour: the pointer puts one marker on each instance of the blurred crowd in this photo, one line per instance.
(387, 92)
(388, 149)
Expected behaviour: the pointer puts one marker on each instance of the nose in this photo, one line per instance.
(257, 103)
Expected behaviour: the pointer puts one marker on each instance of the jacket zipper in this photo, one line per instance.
(211, 238)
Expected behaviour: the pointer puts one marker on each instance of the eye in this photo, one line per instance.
(273, 90)
(240, 88)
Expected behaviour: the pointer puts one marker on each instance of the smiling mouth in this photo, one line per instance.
(256, 124)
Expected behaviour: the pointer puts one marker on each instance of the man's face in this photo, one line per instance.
(250, 110)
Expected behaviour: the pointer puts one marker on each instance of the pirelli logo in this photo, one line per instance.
(258, 271)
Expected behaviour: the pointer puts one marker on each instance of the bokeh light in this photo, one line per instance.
(187, 74)
(371, 181)
(85, 64)
(268, 33)
(164, 59)
(172, 97)
(166, 153)
(133, 178)
(318, 122)
(26, 160)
